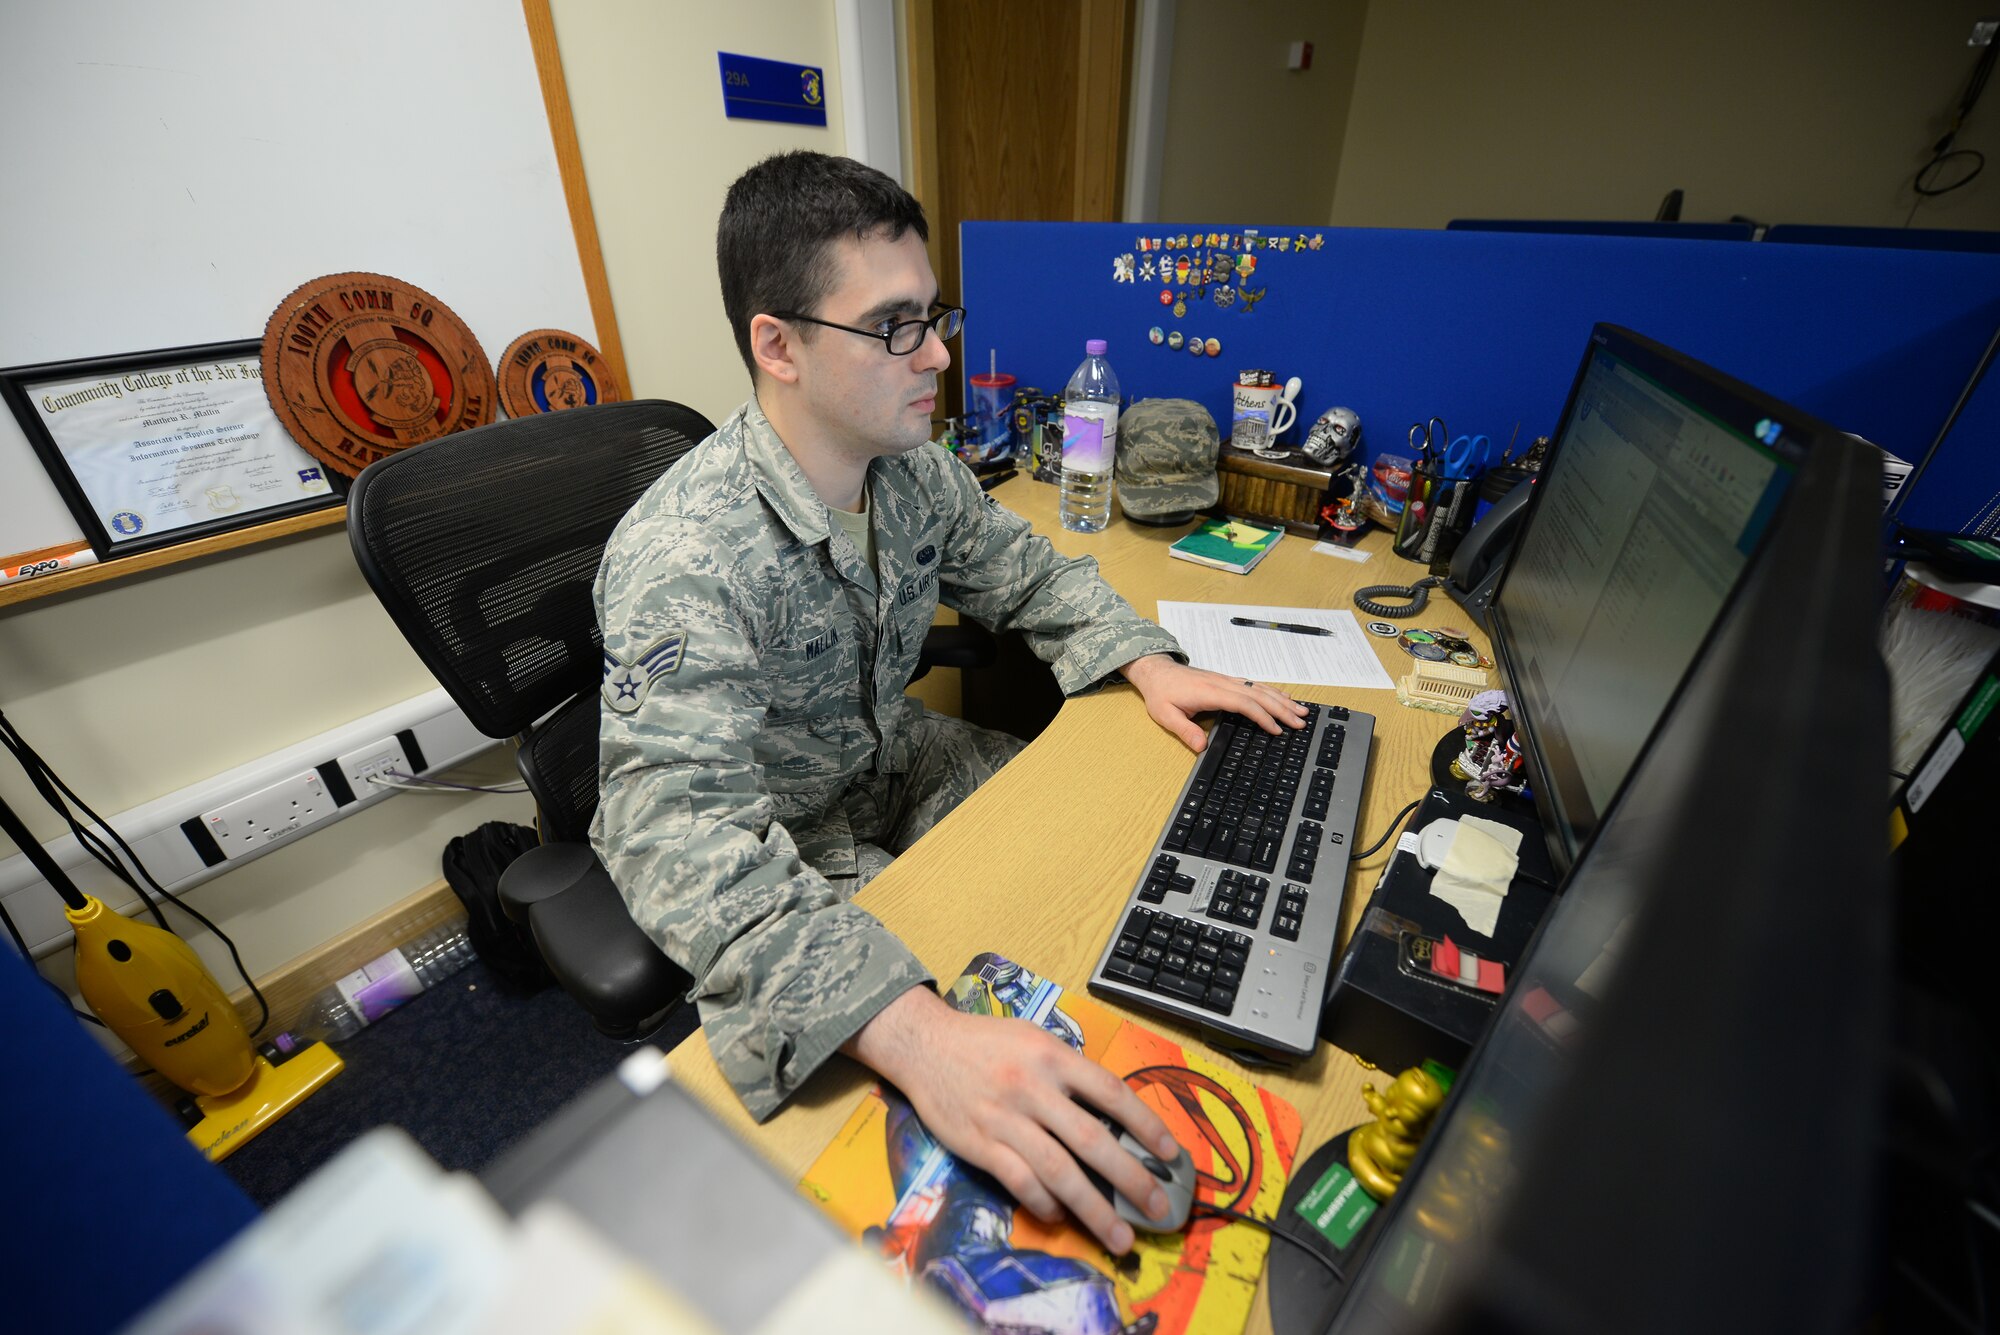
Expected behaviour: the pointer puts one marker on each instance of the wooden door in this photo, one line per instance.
(1017, 112)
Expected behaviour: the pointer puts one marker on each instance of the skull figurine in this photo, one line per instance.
(1334, 437)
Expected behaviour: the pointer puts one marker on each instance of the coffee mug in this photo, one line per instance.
(1260, 415)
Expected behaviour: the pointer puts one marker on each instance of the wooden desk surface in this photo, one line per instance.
(999, 874)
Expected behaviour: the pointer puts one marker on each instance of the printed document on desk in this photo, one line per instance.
(1342, 657)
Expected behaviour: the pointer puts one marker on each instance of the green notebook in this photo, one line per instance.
(1227, 544)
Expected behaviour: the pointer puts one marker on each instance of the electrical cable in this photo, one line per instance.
(1942, 151)
(419, 783)
(49, 784)
(1267, 1225)
(1394, 825)
(1895, 510)
(21, 947)
(46, 865)
(36, 767)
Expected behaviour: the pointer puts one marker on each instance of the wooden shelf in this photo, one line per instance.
(118, 567)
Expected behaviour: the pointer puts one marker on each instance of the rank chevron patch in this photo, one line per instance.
(626, 683)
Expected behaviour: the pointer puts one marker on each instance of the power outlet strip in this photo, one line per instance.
(194, 833)
(269, 814)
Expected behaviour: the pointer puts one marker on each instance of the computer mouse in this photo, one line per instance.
(1176, 1179)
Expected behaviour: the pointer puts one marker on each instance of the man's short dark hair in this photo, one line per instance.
(780, 219)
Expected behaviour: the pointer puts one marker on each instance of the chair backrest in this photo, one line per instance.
(483, 547)
(559, 762)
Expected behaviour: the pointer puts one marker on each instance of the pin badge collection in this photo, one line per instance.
(1216, 267)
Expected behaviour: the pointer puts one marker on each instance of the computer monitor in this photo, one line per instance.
(1671, 1123)
(1662, 478)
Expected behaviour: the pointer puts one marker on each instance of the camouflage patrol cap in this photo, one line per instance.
(1166, 459)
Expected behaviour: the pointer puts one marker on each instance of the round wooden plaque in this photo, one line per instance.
(360, 365)
(548, 370)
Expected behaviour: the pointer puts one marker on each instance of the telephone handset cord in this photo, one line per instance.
(1415, 596)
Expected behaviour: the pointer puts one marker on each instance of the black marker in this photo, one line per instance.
(992, 480)
(1291, 626)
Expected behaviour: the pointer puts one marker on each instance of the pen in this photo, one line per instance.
(1291, 626)
(992, 480)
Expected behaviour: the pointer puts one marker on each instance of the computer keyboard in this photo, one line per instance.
(1233, 923)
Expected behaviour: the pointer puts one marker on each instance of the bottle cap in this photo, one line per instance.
(1094, 347)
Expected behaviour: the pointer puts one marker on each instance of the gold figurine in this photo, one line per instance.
(1452, 1199)
(1379, 1152)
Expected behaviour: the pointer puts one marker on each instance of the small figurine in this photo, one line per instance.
(1503, 773)
(1488, 723)
(1379, 1152)
(1344, 514)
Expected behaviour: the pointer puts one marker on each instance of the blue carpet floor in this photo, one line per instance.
(468, 1068)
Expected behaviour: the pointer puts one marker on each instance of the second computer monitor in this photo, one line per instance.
(1663, 478)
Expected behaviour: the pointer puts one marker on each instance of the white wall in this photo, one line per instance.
(173, 171)
(647, 95)
(1245, 138)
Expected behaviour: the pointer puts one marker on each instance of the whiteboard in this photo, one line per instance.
(174, 170)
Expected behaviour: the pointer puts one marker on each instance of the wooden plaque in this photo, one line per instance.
(548, 370)
(360, 365)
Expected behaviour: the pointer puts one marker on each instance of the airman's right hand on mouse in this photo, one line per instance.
(1003, 1095)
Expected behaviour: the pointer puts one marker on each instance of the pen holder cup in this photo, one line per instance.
(1426, 487)
(1454, 507)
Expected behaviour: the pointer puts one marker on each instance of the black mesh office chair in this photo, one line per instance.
(483, 547)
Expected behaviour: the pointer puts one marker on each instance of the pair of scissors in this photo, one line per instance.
(1466, 456)
(1457, 461)
(1426, 440)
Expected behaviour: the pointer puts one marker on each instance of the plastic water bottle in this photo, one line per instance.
(1090, 442)
(351, 1004)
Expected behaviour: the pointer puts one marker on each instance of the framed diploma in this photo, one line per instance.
(155, 448)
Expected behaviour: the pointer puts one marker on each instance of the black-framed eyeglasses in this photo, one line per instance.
(900, 339)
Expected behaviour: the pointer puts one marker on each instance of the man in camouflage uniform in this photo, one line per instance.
(763, 606)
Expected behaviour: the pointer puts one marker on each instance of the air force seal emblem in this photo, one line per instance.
(625, 684)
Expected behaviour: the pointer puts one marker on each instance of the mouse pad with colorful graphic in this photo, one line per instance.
(951, 1227)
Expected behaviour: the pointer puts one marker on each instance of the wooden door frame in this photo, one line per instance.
(576, 189)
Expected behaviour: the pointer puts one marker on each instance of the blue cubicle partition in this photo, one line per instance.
(1897, 238)
(1677, 231)
(1485, 329)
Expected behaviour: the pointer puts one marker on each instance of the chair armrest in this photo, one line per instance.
(589, 941)
(542, 873)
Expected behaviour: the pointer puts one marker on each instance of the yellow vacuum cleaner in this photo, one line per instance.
(153, 992)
